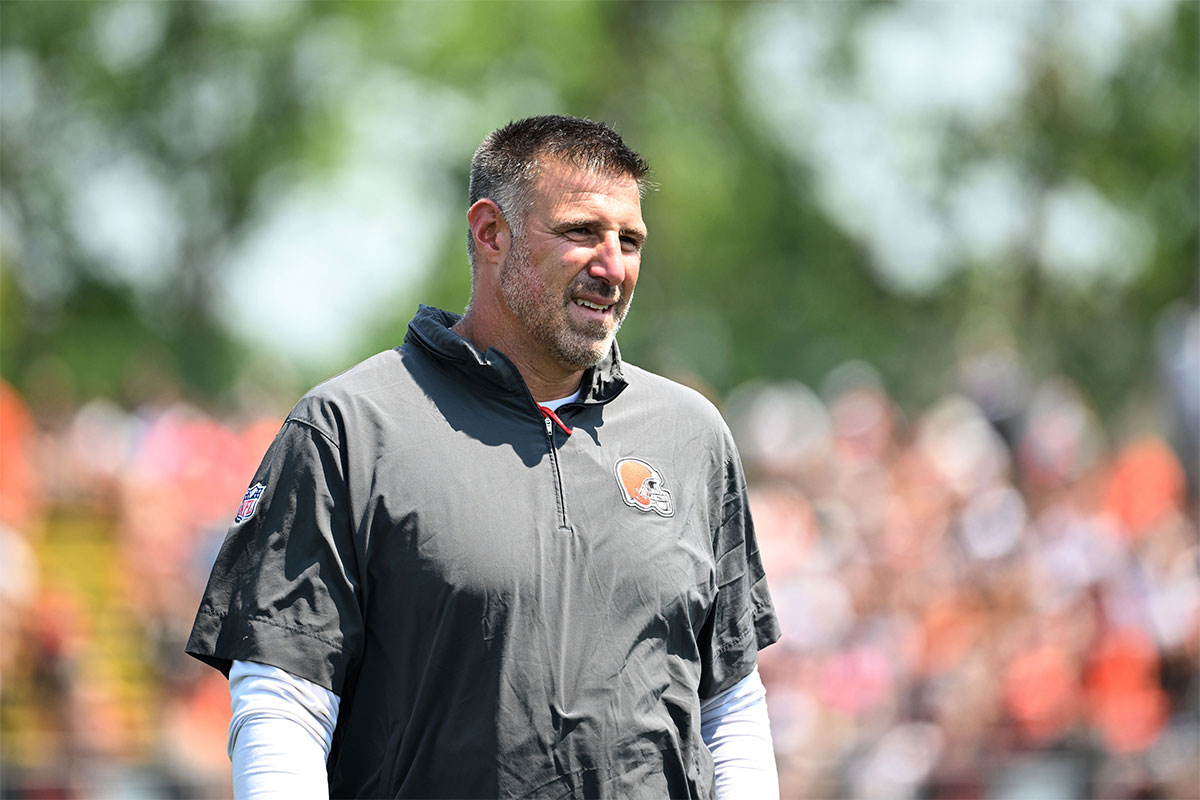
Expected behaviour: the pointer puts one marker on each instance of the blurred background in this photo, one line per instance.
(937, 262)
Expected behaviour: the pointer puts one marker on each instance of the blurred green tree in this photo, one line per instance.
(146, 147)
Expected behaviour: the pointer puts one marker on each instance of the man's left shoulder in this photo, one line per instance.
(667, 396)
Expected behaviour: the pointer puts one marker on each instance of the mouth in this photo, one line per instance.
(603, 308)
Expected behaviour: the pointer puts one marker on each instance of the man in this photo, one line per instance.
(498, 561)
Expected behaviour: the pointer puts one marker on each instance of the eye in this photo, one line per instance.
(630, 244)
(578, 232)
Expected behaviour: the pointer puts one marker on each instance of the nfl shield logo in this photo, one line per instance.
(249, 502)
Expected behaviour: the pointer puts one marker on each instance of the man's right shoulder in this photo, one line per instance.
(370, 387)
(380, 372)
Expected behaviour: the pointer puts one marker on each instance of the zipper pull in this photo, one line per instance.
(550, 416)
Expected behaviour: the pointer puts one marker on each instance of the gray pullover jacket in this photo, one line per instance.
(508, 603)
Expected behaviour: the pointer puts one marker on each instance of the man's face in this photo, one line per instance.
(569, 277)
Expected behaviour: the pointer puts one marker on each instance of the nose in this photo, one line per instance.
(608, 262)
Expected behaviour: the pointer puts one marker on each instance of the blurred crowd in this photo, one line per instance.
(996, 597)
(110, 520)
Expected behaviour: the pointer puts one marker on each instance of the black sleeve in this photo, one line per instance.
(742, 620)
(284, 590)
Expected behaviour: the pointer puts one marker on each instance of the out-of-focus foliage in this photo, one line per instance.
(210, 186)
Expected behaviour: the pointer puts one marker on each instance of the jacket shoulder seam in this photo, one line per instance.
(316, 428)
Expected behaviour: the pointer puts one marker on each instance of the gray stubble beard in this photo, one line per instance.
(526, 295)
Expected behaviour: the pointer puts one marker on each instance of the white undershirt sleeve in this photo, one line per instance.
(280, 733)
(735, 727)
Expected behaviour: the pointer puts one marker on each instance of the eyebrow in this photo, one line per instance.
(590, 222)
(636, 233)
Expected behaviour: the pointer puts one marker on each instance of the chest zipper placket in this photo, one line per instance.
(550, 419)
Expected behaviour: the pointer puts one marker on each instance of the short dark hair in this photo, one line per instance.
(506, 163)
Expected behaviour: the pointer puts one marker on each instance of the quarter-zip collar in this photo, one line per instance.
(430, 330)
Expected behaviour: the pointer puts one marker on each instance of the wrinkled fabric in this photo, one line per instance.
(499, 618)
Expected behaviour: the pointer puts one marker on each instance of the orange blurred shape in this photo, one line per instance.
(1125, 700)
(1042, 693)
(196, 723)
(256, 438)
(952, 624)
(58, 619)
(1131, 721)
(18, 487)
(1146, 483)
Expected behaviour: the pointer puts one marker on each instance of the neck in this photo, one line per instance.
(546, 378)
(545, 388)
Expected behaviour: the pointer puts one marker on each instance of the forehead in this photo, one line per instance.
(562, 189)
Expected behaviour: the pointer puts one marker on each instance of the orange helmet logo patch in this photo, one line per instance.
(643, 488)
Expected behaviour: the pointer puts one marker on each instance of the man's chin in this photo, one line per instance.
(586, 355)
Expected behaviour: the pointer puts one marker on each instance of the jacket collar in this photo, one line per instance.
(430, 330)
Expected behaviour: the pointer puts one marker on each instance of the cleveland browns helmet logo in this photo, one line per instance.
(643, 488)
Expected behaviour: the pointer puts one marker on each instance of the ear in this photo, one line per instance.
(489, 230)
